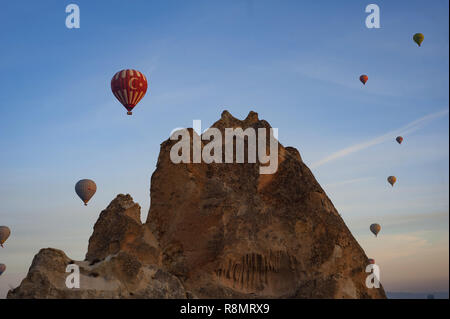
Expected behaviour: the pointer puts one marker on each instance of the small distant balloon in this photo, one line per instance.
(418, 38)
(2, 268)
(4, 234)
(399, 139)
(363, 78)
(85, 189)
(129, 87)
(371, 261)
(375, 229)
(392, 180)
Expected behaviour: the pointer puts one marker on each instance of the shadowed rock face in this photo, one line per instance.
(117, 276)
(217, 231)
(226, 230)
(119, 228)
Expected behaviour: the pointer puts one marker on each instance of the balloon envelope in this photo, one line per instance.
(375, 229)
(418, 38)
(399, 139)
(4, 234)
(392, 180)
(2, 268)
(129, 87)
(363, 78)
(85, 189)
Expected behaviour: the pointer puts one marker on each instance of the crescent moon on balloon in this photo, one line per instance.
(130, 84)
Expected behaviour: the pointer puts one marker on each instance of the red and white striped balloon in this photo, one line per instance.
(129, 87)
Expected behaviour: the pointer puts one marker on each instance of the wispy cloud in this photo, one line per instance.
(347, 182)
(359, 224)
(411, 127)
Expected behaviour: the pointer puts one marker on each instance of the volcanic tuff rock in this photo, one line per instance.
(215, 231)
(117, 276)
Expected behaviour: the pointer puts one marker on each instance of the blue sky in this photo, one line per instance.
(296, 63)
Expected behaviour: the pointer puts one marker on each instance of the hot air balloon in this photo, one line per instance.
(85, 189)
(4, 234)
(375, 228)
(371, 261)
(418, 38)
(2, 268)
(363, 78)
(399, 139)
(392, 180)
(129, 87)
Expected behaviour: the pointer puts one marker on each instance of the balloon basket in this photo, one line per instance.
(129, 112)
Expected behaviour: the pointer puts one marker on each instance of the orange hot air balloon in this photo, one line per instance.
(371, 261)
(375, 229)
(129, 87)
(399, 139)
(392, 180)
(363, 78)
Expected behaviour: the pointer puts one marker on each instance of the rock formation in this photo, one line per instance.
(215, 231)
(119, 263)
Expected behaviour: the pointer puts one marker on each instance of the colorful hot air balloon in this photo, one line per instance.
(2, 268)
(129, 87)
(371, 261)
(85, 189)
(363, 78)
(399, 139)
(392, 180)
(375, 229)
(4, 234)
(418, 38)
